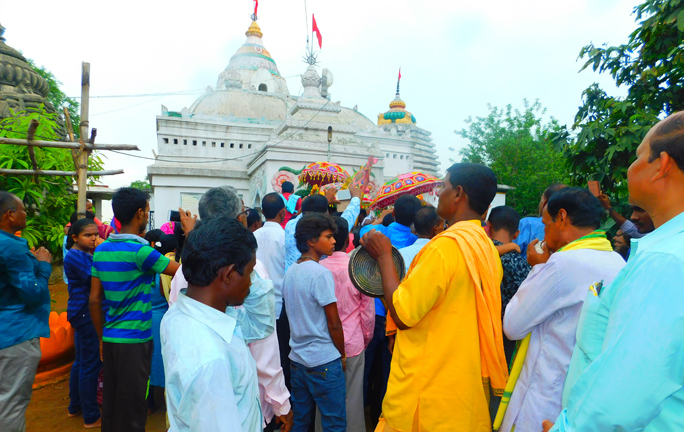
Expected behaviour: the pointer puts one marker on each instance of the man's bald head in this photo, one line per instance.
(668, 136)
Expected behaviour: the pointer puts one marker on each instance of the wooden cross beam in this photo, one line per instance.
(80, 150)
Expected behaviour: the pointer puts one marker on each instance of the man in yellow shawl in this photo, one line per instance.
(448, 356)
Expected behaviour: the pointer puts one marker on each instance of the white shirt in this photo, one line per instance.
(548, 305)
(271, 252)
(211, 382)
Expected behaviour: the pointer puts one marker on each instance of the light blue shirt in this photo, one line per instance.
(531, 228)
(633, 376)
(307, 288)
(350, 214)
(211, 378)
(410, 252)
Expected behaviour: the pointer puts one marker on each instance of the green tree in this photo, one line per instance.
(143, 185)
(602, 142)
(516, 145)
(59, 99)
(49, 202)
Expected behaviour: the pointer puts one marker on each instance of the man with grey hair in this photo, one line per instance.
(257, 317)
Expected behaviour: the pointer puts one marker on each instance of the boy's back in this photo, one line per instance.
(126, 266)
(307, 288)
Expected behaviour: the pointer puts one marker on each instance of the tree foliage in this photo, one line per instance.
(516, 145)
(602, 142)
(143, 185)
(59, 99)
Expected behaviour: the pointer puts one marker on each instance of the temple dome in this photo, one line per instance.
(238, 103)
(397, 113)
(252, 67)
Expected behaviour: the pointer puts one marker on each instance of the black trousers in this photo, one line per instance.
(126, 372)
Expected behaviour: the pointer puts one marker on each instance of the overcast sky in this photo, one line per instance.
(456, 56)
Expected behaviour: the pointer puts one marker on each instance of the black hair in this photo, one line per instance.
(310, 227)
(426, 219)
(8, 201)
(74, 216)
(154, 235)
(477, 181)
(167, 241)
(668, 137)
(271, 205)
(179, 236)
(215, 243)
(252, 217)
(287, 187)
(77, 228)
(387, 220)
(341, 233)
(405, 209)
(583, 208)
(504, 217)
(315, 203)
(553, 188)
(126, 202)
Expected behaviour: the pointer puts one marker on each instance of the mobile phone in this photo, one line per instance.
(594, 188)
(174, 216)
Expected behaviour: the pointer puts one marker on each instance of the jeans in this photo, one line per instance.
(84, 373)
(376, 369)
(322, 386)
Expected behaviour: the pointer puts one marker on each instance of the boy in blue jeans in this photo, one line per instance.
(316, 336)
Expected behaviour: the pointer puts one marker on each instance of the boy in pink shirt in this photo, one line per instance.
(357, 313)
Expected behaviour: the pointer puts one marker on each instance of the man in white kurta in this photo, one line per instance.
(549, 301)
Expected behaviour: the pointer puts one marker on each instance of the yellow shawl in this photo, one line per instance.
(482, 260)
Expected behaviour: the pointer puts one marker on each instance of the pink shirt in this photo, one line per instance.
(357, 311)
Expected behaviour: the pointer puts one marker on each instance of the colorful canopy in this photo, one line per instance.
(281, 177)
(321, 173)
(414, 183)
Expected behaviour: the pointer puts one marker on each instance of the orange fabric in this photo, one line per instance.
(474, 245)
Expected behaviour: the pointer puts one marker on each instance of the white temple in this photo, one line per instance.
(249, 127)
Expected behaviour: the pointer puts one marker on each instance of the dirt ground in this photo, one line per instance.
(48, 408)
(48, 412)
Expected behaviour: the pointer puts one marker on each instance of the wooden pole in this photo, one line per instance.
(68, 145)
(32, 153)
(70, 131)
(83, 154)
(59, 173)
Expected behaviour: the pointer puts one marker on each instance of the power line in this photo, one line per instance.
(231, 158)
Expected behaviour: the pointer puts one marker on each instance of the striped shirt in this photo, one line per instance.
(126, 265)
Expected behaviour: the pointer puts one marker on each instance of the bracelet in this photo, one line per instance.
(609, 209)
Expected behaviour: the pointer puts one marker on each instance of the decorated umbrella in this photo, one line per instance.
(414, 183)
(321, 173)
(281, 177)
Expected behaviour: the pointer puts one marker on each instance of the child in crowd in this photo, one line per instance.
(81, 240)
(316, 335)
(124, 268)
(503, 224)
(357, 313)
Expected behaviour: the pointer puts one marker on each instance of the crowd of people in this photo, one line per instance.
(248, 320)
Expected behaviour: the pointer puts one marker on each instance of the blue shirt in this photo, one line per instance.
(307, 288)
(211, 377)
(400, 236)
(634, 377)
(531, 228)
(292, 254)
(24, 294)
(77, 267)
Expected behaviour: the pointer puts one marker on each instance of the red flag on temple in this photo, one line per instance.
(318, 32)
(399, 74)
(256, 5)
